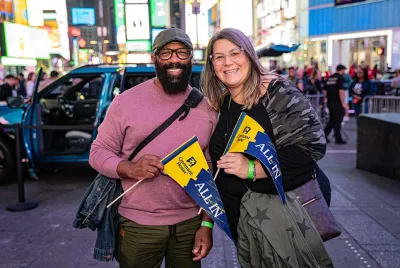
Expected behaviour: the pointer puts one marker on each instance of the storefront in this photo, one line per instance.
(340, 34)
(23, 47)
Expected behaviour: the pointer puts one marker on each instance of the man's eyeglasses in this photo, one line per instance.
(235, 55)
(181, 53)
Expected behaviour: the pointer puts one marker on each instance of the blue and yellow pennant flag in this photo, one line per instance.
(250, 138)
(188, 167)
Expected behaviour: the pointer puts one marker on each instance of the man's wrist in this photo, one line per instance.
(124, 169)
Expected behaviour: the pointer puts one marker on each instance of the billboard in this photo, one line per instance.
(158, 13)
(6, 8)
(83, 16)
(26, 42)
(137, 21)
(154, 33)
(51, 26)
(344, 2)
(119, 16)
(21, 12)
(58, 7)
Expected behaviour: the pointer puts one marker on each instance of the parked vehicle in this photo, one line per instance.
(68, 111)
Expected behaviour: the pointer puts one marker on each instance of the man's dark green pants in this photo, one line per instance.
(145, 246)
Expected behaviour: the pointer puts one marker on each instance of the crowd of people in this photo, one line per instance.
(340, 92)
(22, 85)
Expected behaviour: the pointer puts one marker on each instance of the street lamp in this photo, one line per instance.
(196, 10)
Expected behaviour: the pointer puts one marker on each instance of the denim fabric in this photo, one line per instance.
(93, 214)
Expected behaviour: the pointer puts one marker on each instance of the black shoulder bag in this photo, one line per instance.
(312, 199)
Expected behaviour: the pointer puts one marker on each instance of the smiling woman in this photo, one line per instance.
(235, 82)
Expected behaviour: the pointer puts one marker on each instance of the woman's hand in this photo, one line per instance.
(234, 163)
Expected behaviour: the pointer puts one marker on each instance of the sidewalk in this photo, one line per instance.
(367, 207)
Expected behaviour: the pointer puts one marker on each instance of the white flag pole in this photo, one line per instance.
(130, 188)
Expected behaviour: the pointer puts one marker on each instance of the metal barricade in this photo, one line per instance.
(381, 104)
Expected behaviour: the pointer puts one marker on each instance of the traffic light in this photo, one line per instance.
(380, 51)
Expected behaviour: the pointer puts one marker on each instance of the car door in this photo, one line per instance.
(68, 112)
(29, 132)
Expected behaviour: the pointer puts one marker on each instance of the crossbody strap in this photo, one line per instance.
(194, 98)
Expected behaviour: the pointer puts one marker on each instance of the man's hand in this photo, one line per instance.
(203, 243)
(234, 163)
(147, 167)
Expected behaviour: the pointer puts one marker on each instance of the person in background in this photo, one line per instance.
(313, 86)
(353, 70)
(293, 77)
(21, 89)
(8, 88)
(45, 76)
(30, 84)
(53, 77)
(396, 83)
(347, 83)
(335, 94)
(359, 89)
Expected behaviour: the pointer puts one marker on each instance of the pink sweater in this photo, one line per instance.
(131, 117)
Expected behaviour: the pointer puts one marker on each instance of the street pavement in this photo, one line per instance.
(367, 207)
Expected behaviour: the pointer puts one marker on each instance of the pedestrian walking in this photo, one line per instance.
(335, 93)
(234, 81)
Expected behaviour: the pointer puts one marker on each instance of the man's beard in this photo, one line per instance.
(174, 84)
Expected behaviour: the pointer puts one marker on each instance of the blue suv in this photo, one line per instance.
(60, 122)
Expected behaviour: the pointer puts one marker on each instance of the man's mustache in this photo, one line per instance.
(174, 66)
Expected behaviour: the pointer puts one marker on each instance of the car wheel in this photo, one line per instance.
(6, 162)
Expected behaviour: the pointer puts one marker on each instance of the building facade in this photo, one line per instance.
(362, 32)
(278, 22)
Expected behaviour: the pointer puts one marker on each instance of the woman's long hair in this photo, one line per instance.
(365, 72)
(215, 90)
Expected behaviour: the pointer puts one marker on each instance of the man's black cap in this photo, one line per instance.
(171, 35)
(340, 67)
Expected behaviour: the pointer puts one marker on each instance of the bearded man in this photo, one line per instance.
(157, 219)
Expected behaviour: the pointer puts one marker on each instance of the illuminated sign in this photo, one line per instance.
(6, 8)
(21, 12)
(344, 2)
(137, 21)
(26, 42)
(83, 16)
(135, 1)
(35, 13)
(82, 43)
(52, 28)
(83, 56)
(138, 58)
(158, 13)
(154, 33)
(75, 32)
(138, 46)
(198, 54)
(40, 10)
(119, 16)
